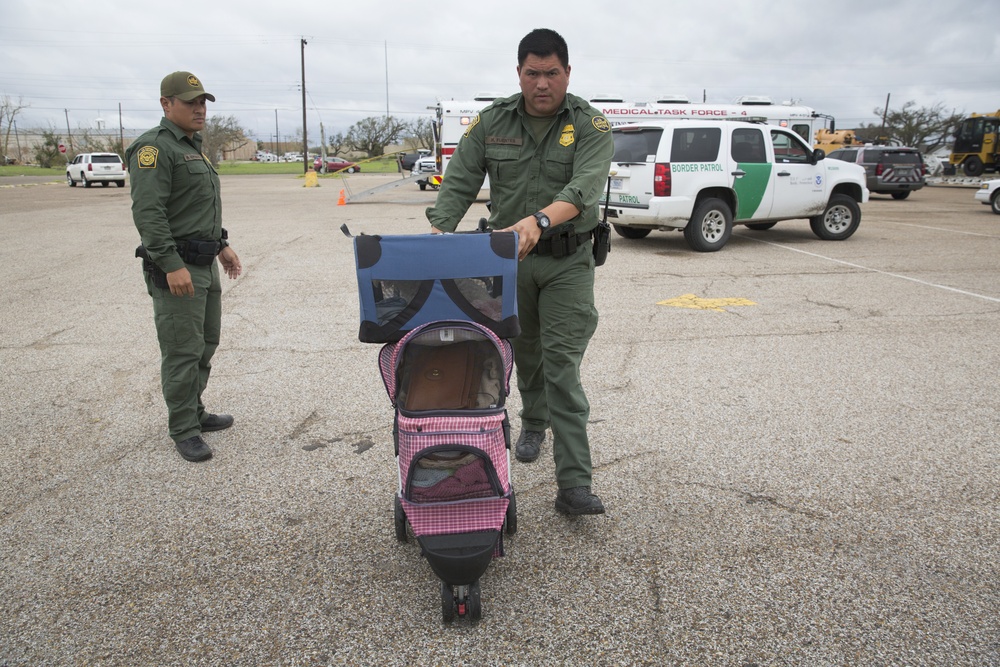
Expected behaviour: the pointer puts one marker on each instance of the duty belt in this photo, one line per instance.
(560, 245)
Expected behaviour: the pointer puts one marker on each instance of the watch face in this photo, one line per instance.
(543, 220)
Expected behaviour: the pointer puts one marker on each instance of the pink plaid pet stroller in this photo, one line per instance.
(448, 381)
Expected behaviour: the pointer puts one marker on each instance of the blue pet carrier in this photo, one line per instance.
(405, 281)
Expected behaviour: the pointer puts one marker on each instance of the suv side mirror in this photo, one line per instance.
(818, 155)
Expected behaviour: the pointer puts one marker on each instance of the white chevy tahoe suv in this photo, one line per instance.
(103, 168)
(703, 177)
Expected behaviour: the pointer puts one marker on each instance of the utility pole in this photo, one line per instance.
(69, 134)
(305, 140)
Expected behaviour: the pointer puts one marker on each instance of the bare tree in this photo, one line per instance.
(336, 144)
(421, 133)
(222, 133)
(9, 109)
(924, 128)
(371, 135)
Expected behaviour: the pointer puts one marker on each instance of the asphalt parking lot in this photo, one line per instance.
(796, 441)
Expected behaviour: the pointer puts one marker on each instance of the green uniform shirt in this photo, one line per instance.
(569, 164)
(175, 192)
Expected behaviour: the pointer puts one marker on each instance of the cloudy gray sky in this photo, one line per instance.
(843, 58)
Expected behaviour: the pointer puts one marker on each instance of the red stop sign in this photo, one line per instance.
(62, 148)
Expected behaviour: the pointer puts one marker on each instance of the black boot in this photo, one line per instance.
(578, 500)
(216, 422)
(529, 445)
(194, 449)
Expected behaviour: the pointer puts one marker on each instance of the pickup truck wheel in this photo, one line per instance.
(995, 202)
(760, 226)
(422, 184)
(632, 232)
(70, 181)
(901, 195)
(120, 184)
(972, 166)
(105, 184)
(839, 221)
(710, 226)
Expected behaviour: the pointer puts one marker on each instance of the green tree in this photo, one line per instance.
(371, 135)
(924, 128)
(47, 153)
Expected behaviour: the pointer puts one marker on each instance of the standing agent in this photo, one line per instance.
(177, 208)
(547, 154)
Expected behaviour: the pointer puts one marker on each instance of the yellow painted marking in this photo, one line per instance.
(698, 303)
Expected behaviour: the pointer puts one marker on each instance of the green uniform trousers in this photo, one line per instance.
(555, 307)
(188, 329)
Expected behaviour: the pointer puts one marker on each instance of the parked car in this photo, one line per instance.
(890, 170)
(89, 168)
(989, 194)
(704, 176)
(408, 160)
(336, 164)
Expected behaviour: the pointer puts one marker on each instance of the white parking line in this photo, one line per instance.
(868, 268)
(937, 229)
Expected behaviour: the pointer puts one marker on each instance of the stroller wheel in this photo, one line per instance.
(447, 603)
(475, 602)
(400, 520)
(510, 520)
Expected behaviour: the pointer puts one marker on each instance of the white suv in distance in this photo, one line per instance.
(103, 168)
(703, 177)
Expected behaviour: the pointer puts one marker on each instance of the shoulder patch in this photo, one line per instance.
(147, 157)
(601, 123)
(475, 121)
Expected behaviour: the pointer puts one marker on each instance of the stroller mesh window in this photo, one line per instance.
(451, 369)
(449, 475)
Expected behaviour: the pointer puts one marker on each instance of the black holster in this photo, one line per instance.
(561, 242)
(156, 274)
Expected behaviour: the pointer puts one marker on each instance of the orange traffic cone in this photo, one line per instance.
(341, 201)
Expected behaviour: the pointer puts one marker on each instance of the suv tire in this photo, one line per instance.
(632, 232)
(901, 195)
(86, 183)
(839, 221)
(995, 202)
(70, 181)
(710, 226)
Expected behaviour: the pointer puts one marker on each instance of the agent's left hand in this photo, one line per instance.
(230, 262)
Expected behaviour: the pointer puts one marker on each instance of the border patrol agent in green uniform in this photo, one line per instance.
(547, 154)
(177, 208)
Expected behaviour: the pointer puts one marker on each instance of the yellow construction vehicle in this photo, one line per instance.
(976, 147)
(830, 140)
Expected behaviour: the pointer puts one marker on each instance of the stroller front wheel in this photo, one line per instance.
(400, 521)
(447, 603)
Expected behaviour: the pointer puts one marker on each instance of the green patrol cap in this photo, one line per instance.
(184, 86)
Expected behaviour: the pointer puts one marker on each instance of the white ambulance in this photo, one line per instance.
(704, 176)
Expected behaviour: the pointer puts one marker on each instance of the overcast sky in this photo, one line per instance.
(85, 58)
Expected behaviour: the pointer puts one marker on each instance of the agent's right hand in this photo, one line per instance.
(180, 283)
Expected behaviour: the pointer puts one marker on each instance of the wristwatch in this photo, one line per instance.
(543, 220)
